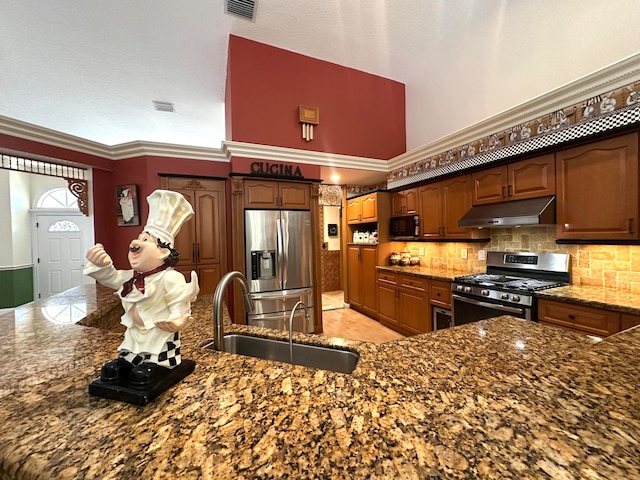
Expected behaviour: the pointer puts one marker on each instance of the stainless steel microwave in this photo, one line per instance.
(405, 228)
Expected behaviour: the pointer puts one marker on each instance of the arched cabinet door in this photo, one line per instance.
(201, 241)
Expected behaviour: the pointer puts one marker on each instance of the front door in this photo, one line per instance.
(61, 248)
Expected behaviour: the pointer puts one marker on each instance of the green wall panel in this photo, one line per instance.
(17, 287)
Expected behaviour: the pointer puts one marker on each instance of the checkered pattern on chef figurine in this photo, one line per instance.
(169, 357)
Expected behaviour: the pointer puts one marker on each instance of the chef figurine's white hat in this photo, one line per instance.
(167, 212)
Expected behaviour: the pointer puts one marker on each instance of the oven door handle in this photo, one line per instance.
(502, 308)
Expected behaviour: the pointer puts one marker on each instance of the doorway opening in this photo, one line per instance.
(61, 235)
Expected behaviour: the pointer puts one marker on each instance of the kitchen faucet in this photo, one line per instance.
(218, 297)
(293, 312)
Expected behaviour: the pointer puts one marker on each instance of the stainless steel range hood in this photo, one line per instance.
(534, 211)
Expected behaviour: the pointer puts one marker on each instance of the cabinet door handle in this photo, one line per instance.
(571, 317)
(193, 251)
(631, 225)
(198, 254)
(510, 191)
(504, 192)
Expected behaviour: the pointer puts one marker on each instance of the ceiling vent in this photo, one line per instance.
(242, 8)
(163, 106)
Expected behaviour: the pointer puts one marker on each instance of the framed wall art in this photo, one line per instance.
(127, 205)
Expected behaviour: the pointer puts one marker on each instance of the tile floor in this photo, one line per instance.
(347, 323)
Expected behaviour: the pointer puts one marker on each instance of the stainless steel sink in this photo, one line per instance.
(313, 356)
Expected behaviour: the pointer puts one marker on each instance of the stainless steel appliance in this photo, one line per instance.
(508, 286)
(404, 228)
(442, 318)
(279, 267)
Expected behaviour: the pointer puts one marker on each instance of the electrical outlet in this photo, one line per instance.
(482, 254)
(421, 251)
(464, 253)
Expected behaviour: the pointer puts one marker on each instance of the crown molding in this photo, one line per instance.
(36, 133)
(138, 148)
(55, 138)
(609, 78)
(282, 154)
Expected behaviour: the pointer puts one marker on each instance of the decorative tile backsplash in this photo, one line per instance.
(611, 266)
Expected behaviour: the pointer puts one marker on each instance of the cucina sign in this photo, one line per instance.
(279, 169)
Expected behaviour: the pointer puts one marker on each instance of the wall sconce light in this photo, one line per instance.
(309, 116)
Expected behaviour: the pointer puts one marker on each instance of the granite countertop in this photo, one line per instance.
(444, 274)
(501, 398)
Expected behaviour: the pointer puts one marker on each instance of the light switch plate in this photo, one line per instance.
(421, 251)
(464, 253)
(482, 254)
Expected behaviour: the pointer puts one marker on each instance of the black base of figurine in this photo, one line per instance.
(141, 396)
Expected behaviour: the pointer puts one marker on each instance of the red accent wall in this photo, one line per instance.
(360, 114)
(144, 171)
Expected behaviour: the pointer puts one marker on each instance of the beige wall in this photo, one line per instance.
(613, 266)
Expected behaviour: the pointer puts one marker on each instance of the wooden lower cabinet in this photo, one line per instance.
(440, 293)
(589, 320)
(627, 321)
(403, 303)
(362, 262)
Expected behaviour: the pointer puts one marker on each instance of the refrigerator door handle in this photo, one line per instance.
(280, 294)
(281, 253)
(283, 245)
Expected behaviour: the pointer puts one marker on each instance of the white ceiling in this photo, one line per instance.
(91, 68)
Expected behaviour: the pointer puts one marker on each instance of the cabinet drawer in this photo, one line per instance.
(385, 277)
(440, 293)
(421, 284)
(594, 321)
(627, 321)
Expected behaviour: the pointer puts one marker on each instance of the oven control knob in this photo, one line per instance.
(504, 296)
(467, 289)
(484, 292)
(515, 298)
(460, 288)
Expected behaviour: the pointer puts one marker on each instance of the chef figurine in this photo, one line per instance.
(156, 298)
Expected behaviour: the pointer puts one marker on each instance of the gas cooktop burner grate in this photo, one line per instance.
(508, 283)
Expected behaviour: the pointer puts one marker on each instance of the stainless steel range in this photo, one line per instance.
(508, 286)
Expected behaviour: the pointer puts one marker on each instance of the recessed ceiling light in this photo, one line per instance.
(335, 178)
(163, 106)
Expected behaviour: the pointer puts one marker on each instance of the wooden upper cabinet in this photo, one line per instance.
(442, 204)
(456, 201)
(363, 209)
(531, 178)
(597, 190)
(273, 194)
(430, 208)
(404, 202)
(370, 208)
(354, 210)
(294, 195)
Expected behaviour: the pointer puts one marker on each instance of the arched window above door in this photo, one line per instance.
(59, 197)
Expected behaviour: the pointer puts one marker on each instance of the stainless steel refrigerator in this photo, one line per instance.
(279, 267)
